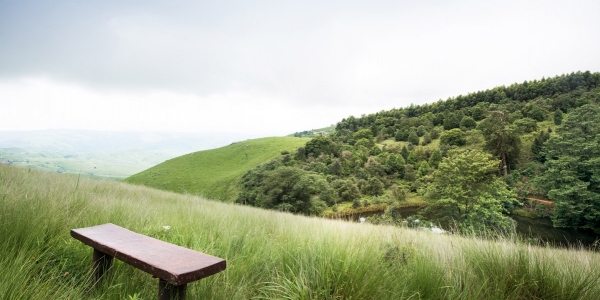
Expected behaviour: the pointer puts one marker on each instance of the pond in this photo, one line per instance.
(541, 229)
(537, 230)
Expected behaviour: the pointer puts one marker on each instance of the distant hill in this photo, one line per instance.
(215, 173)
(100, 153)
(107, 165)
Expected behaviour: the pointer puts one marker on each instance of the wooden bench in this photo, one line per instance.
(175, 266)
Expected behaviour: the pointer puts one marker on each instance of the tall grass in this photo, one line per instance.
(269, 254)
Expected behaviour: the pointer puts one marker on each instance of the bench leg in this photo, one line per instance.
(101, 263)
(167, 291)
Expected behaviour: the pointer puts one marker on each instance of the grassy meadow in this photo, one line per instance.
(215, 173)
(270, 255)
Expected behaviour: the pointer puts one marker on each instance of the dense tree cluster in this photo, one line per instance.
(572, 173)
(387, 156)
(467, 188)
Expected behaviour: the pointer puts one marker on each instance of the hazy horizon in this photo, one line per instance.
(101, 153)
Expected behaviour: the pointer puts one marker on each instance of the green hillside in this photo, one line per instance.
(270, 255)
(473, 161)
(215, 173)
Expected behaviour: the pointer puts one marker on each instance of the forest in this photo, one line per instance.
(468, 162)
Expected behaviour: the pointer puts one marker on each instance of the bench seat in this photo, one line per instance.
(171, 263)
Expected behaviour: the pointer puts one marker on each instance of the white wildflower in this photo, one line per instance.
(437, 230)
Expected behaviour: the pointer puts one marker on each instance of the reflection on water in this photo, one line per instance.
(541, 229)
(535, 230)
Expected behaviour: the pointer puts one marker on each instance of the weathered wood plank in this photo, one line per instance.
(171, 263)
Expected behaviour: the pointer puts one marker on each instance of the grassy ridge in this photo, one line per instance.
(215, 173)
(269, 254)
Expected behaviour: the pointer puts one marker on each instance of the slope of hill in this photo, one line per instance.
(269, 254)
(215, 173)
(382, 160)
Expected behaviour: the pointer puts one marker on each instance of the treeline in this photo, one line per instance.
(391, 155)
(397, 122)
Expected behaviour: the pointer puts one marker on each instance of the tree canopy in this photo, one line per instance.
(507, 130)
(500, 138)
(572, 169)
(466, 185)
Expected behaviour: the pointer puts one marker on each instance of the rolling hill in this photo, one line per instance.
(539, 137)
(215, 173)
(270, 255)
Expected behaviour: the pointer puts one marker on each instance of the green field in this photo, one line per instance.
(215, 173)
(269, 254)
(113, 165)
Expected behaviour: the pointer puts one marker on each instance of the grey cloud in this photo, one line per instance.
(390, 53)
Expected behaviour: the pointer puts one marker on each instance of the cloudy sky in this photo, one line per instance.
(270, 67)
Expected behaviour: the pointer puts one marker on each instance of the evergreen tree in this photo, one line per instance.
(535, 112)
(423, 169)
(558, 116)
(525, 125)
(452, 120)
(401, 135)
(412, 158)
(467, 123)
(500, 139)
(435, 158)
(394, 164)
(572, 175)
(537, 147)
(435, 133)
(405, 153)
(426, 139)
(409, 172)
(421, 130)
(413, 138)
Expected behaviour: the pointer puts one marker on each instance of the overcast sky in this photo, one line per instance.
(270, 67)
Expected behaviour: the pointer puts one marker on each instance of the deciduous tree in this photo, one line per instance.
(467, 187)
